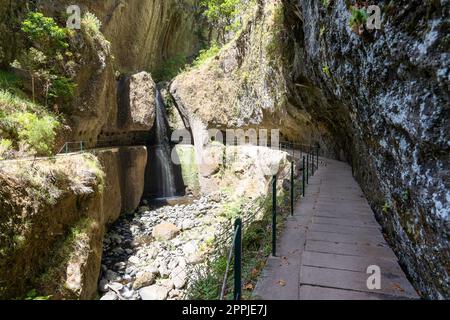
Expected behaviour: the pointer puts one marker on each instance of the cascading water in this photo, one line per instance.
(163, 165)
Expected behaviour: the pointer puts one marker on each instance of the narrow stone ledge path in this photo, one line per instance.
(326, 247)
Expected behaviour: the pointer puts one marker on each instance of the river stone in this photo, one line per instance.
(112, 276)
(109, 296)
(165, 231)
(116, 286)
(163, 270)
(144, 279)
(179, 277)
(143, 209)
(134, 260)
(154, 292)
(103, 285)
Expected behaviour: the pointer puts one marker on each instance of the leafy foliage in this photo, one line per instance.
(358, 17)
(44, 32)
(222, 14)
(33, 295)
(170, 68)
(326, 70)
(47, 57)
(206, 54)
(38, 132)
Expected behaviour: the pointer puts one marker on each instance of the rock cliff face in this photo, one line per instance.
(247, 84)
(378, 100)
(392, 84)
(143, 33)
(54, 215)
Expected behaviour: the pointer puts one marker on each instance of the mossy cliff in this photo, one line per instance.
(53, 217)
(376, 99)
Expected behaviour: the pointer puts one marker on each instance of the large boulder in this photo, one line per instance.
(165, 231)
(137, 102)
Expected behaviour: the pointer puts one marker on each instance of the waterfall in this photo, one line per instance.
(163, 163)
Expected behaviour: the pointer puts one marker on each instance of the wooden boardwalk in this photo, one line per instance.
(326, 247)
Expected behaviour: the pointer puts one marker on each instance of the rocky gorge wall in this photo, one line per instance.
(378, 100)
(54, 216)
(391, 88)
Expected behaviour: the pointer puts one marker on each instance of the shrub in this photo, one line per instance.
(358, 17)
(170, 68)
(206, 54)
(44, 32)
(5, 147)
(223, 15)
(326, 70)
(47, 57)
(13, 102)
(39, 133)
(8, 80)
(91, 23)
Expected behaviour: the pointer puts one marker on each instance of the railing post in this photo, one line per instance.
(292, 187)
(81, 146)
(67, 147)
(274, 216)
(307, 168)
(304, 177)
(238, 260)
(317, 151)
(312, 163)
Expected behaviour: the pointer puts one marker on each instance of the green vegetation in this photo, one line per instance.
(209, 286)
(256, 247)
(358, 17)
(276, 46)
(232, 210)
(93, 164)
(386, 208)
(91, 23)
(223, 15)
(45, 33)
(47, 58)
(25, 126)
(326, 70)
(170, 68)
(33, 295)
(206, 54)
(9, 81)
(53, 279)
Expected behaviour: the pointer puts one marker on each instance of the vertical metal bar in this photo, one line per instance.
(304, 176)
(238, 260)
(292, 187)
(312, 163)
(67, 148)
(317, 151)
(81, 146)
(307, 168)
(274, 216)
